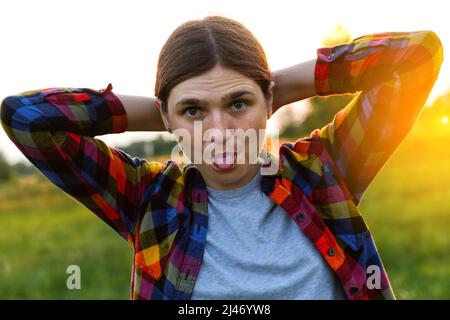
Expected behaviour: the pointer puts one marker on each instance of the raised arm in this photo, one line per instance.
(142, 113)
(394, 73)
(55, 128)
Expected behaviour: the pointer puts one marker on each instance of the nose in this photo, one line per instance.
(218, 123)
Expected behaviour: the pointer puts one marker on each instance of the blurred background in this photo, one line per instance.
(91, 43)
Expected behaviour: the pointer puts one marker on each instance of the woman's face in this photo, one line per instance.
(221, 112)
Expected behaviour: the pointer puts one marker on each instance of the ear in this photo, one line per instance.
(158, 104)
(269, 99)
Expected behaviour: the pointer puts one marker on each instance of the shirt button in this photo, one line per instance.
(301, 217)
(331, 252)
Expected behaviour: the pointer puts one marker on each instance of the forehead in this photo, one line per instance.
(212, 85)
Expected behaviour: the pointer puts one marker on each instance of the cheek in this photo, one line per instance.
(259, 116)
(184, 137)
(256, 121)
(177, 121)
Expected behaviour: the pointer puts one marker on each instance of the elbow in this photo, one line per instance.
(432, 39)
(7, 109)
(21, 115)
(433, 44)
(421, 58)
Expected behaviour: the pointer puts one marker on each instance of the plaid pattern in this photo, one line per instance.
(161, 209)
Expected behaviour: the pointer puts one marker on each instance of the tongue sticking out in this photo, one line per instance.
(224, 161)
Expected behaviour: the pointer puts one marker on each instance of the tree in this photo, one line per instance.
(5, 170)
(322, 108)
(150, 148)
(23, 168)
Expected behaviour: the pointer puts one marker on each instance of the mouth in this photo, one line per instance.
(224, 161)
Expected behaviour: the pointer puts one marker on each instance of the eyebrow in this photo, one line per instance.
(225, 98)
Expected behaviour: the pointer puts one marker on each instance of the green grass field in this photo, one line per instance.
(407, 208)
(48, 231)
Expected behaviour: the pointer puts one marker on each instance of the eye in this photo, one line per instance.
(192, 112)
(239, 105)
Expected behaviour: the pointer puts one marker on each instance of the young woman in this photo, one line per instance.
(220, 229)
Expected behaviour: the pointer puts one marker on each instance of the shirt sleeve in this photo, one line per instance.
(55, 129)
(393, 74)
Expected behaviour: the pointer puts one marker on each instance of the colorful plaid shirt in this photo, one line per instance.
(161, 209)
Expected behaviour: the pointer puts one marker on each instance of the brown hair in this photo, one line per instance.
(196, 46)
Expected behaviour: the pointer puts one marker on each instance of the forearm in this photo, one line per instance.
(82, 111)
(373, 59)
(294, 83)
(142, 113)
(354, 71)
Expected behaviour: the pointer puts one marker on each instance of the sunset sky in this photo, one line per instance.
(91, 43)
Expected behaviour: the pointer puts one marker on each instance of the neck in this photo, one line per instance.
(227, 184)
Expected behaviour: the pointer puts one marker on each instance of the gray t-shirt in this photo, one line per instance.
(255, 250)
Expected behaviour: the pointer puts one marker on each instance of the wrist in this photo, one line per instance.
(294, 83)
